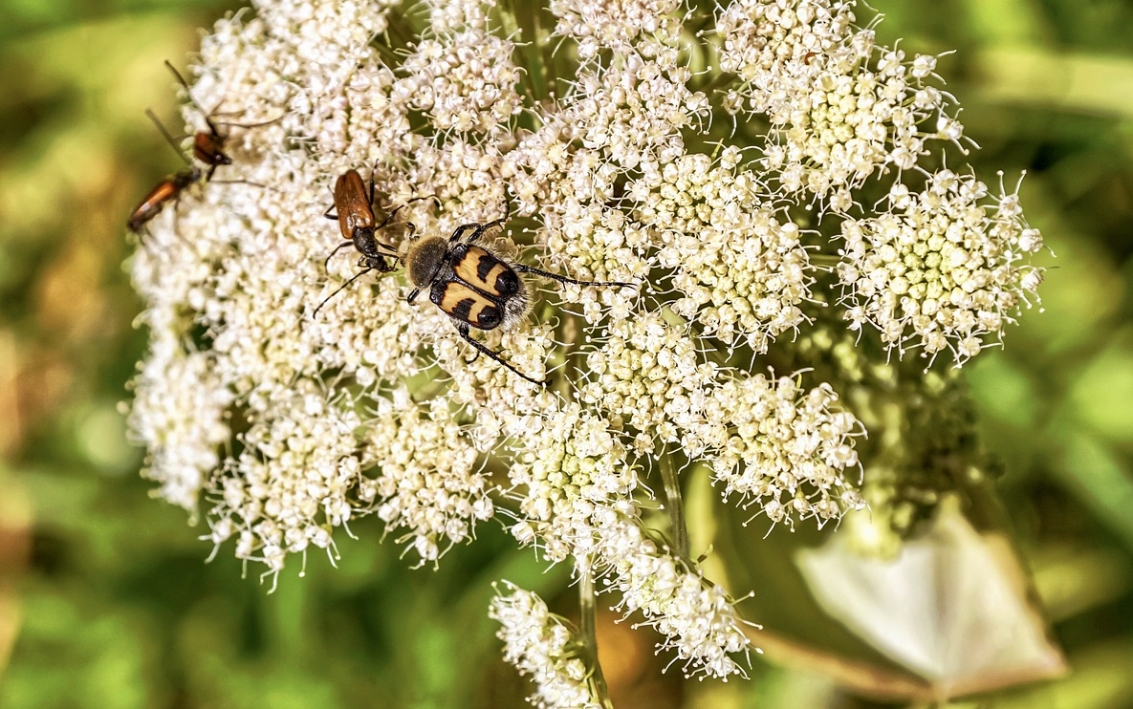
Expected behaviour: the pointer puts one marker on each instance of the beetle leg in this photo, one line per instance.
(462, 328)
(398, 208)
(326, 264)
(458, 233)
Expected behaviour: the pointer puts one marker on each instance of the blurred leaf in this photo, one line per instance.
(15, 528)
(21, 17)
(1082, 291)
(1003, 390)
(1101, 680)
(1073, 82)
(1004, 22)
(1091, 471)
(1102, 395)
(1072, 579)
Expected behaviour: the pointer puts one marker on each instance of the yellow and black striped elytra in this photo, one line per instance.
(358, 225)
(467, 305)
(475, 287)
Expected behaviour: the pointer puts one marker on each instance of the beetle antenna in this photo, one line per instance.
(249, 125)
(340, 289)
(181, 80)
(168, 137)
(193, 100)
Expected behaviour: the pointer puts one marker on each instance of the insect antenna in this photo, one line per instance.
(248, 125)
(168, 137)
(181, 80)
(192, 99)
(340, 289)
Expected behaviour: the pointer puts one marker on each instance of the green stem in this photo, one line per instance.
(719, 80)
(523, 29)
(674, 503)
(825, 260)
(588, 626)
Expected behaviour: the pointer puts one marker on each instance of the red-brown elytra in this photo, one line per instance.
(208, 149)
(358, 224)
(475, 287)
(166, 191)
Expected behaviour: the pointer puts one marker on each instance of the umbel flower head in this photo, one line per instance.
(726, 191)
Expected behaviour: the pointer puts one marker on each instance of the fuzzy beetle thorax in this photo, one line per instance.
(425, 258)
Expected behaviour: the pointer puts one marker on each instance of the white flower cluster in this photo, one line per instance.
(775, 444)
(571, 467)
(840, 106)
(574, 487)
(544, 646)
(698, 618)
(185, 427)
(942, 269)
(465, 81)
(615, 24)
(785, 449)
(428, 480)
(292, 481)
(615, 122)
(649, 374)
(739, 264)
(290, 424)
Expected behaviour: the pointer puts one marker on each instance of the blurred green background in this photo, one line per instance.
(105, 599)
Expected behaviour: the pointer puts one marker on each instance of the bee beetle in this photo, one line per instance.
(475, 287)
(357, 223)
(208, 149)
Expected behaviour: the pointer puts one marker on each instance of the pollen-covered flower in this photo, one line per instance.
(739, 262)
(572, 467)
(840, 106)
(785, 449)
(697, 617)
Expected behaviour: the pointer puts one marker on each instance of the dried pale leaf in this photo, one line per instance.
(954, 607)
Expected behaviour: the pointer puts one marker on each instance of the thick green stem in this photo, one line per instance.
(674, 504)
(587, 606)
